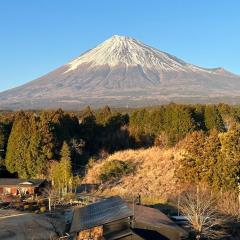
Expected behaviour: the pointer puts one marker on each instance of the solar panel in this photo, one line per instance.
(100, 213)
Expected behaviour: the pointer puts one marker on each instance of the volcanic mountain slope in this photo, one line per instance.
(123, 71)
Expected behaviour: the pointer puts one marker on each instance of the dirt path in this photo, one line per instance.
(27, 226)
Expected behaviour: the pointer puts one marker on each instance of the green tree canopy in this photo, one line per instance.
(213, 118)
(36, 139)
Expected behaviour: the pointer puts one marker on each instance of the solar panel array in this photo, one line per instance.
(100, 213)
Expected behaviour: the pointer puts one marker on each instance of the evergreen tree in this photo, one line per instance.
(87, 112)
(65, 166)
(36, 139)
(172, 121)
(18, 144)
(178, 122)
(213, 118)
(230, 159)
(104, 114)
(55, 175)
(213, 160)
(5, 129)
(192, 163)
(212, 151)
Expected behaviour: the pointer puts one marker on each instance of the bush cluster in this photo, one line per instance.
(112, 170)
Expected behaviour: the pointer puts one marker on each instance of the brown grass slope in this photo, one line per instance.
(154, 177)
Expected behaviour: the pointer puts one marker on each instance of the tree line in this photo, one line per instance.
(167, 125)
(33, 142)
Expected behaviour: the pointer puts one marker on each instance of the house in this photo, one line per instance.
(16, 186)
(150, 221)
(112, 219)
(102, 218)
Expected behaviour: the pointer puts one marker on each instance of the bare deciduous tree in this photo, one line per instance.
(199, 207)
(52, 195)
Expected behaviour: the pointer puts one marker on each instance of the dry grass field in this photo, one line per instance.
(154, 177)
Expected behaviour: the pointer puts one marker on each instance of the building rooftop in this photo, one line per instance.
(153, 219)
(149, 223)
(8, 182)
(100, 213)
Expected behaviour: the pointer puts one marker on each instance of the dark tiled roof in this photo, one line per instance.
(156, 220)
(100, 213)
(20, 182)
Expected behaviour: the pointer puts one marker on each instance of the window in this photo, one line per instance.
(7, 190)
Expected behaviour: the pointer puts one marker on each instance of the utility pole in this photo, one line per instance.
(133, 218)
(239, 199)
(84, 172)
(238, 196)
(85, 179)
(1, 159)
(178, 205)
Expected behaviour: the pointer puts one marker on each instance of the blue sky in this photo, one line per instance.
(39, 36)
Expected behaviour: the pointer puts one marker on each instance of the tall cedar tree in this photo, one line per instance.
(65, 166)
(213, 118)
(5, 129)
(103, 115)
(230, 159)
(36, 139)
(213, 160)
(212, 151)
(192, 163)
(173, 121)
(18, 144)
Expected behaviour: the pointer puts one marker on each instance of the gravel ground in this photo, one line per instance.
(29, 226)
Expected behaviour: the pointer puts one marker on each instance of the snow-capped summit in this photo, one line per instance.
(125, 50)
(124, 71)
(131, 52)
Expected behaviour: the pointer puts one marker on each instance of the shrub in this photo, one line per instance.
(43, 209)
(35, 207)
(162, 140)
(115, 169)
(41, 201)
(69, 196)
(26, 207)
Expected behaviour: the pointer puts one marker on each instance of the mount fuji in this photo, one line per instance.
(121, 72)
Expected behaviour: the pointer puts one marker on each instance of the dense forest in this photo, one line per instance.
(32, 143)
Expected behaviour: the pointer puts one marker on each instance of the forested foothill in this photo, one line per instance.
(37, 144)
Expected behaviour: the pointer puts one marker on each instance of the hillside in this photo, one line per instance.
(120, 72)
(153, 178)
